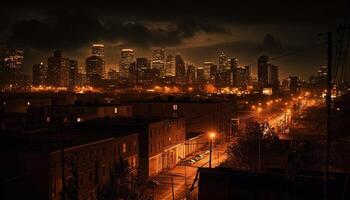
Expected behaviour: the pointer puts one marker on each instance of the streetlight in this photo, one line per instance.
(212, 136)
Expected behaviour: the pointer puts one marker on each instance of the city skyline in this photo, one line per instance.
(198, 35)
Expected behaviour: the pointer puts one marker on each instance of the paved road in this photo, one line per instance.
(177, 175)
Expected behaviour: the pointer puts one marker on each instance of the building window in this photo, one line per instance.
(115, 110)
(134, 144)
(28, 103)
(48, 119)
(174, 107)
(79, 119)
(124, 147)
(103, 171)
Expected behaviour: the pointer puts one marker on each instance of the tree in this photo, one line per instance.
(257, 138)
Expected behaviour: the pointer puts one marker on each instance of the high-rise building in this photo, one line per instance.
(170, 66)
(207, 66)
(39, 74)
(58, 72)
(73, 74)
(94, 68)
(222, 62)
(13, 66)
(143, 65)
(98, 50)
(127, 57)
(294, 84)
(273, 76)
(180, 68)
(200, 75)
(213, 73)
(233, 65)
(243, 77)
(158, 61)
(263, 71)
(191, 74)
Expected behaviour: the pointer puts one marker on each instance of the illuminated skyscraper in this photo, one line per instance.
(170, 66)
(142, 65)
(191, 74)
(263, 71)
(58, 72)
(94, 68)
(127, 57)
(13, 66)
(158, 61)
(273, 76)
(243, 77)
(222, 62)
(39, 74)
(213, 72)
(73, 73)
(207, 66)
(180, 68)
(233, 65)
(98, 50)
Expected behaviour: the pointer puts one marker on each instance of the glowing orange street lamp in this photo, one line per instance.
(212, 136)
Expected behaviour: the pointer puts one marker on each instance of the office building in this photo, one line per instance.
(94, 68)
(170, 66)
(40, 74)
(73, 74)
(263, 71)
(58, 70)
(126, 60)
(158, 61)
(180, 68)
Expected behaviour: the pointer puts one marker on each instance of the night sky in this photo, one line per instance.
(198, 30)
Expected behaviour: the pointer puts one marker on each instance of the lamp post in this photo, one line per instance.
(212, 136)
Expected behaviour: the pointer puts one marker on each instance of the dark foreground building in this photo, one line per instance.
(223, 183)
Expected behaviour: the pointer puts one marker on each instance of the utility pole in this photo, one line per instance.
(210, 144)
(62, 165)
(328, 106)
(172, 187)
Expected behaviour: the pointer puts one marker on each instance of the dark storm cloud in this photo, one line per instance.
(71, 30)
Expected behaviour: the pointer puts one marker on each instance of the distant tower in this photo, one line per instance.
(191, 74)
(99, 50)
(222, 62)
(127, 58)
(158, 61)
(58, 72)
(39, 74)
(273, 76)
(170, 66)
(180, 68)
(13, 66)
(94, 68)
(263, 71)
(73, 73)
(233, 65)
(207, 69)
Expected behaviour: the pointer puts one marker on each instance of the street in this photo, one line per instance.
(174, 184)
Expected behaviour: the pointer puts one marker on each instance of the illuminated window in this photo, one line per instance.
(169, 139)
(79, 119)
(124, 147)
(4, 103)
(174, 107)
(28, 103)
(48, 119)
(115, 110)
